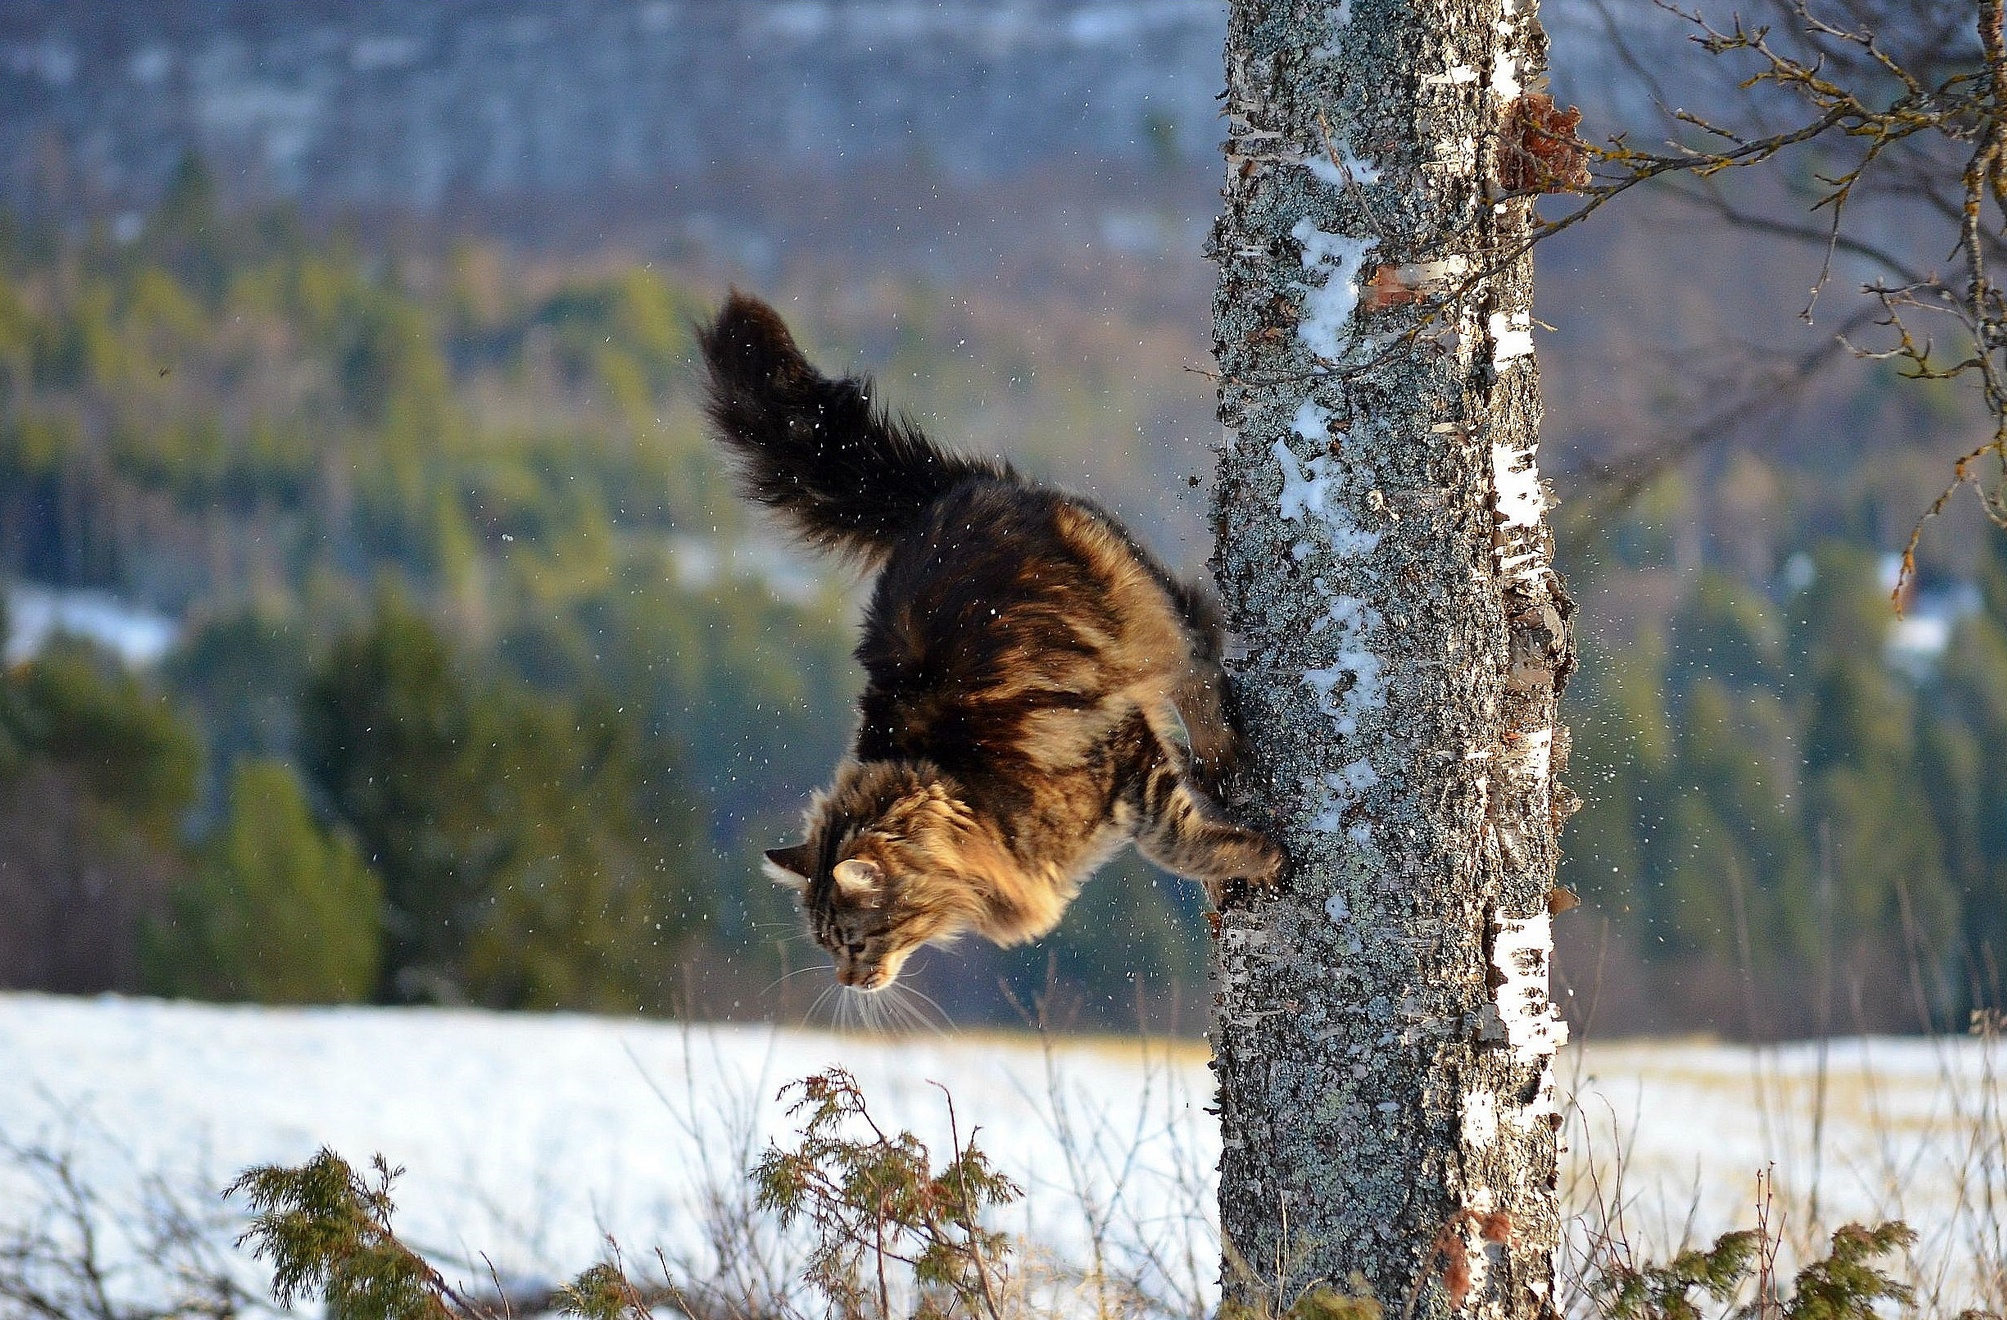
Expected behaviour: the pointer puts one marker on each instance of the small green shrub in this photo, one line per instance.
(603, 1292)
(1845, 1285)
(1842, 1285)
(876, 1205)
(1665, 1292)
(326, 1231)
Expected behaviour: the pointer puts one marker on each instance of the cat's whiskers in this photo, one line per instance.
(789, 976)
(872, 1012)
(907, 994)
(848, 1014)
(795, 934)
(899, 1007)
(808, 1018)
(871, 1009)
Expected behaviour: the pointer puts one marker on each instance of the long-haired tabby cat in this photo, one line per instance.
(1040, 689)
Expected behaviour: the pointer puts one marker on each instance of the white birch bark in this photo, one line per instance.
(1383, 1039)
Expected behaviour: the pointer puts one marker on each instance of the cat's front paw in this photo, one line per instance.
(1274, 867)
(1265, 864)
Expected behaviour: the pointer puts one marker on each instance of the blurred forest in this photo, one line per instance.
(483, 688)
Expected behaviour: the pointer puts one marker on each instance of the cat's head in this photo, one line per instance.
(888, 865)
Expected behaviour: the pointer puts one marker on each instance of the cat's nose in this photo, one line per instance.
(858, 977)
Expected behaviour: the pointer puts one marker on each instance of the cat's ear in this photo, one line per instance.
(791, 865)
(858, 880)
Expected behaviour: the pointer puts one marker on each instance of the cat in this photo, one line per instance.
(1040, 690)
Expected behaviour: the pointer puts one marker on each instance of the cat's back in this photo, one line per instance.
(1008, 606)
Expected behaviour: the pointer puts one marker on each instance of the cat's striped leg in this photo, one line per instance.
(1206, 709)
(1212, 733)
(1186, 832)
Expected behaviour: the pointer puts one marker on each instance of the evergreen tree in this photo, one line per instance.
(1891, 894)
(96, 774)
(532, 855)
(187, 228)
(389, 737)
(242, 675)
(81, 709)
(279, 911)
(1724, 632)
(590, 895)
(1623, 761)
(1962, 741)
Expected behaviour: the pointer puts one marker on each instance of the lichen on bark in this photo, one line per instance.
(1383, 1040)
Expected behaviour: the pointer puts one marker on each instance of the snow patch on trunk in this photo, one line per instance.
(1347, 170)
(1354, 620)
(1355, 681)
(1328, 303)
(1347, 689)
(1338, 794)
(1311, 490)
(1352, 685)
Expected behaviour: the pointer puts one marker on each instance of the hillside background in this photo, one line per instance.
(382, 627)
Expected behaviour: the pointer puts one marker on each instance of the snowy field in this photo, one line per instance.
(528, 1138)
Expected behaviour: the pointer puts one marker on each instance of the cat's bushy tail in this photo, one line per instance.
(846, 474)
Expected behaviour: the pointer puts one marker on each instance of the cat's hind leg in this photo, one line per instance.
(1186, 833)
(1206, 710)
(1211, 728)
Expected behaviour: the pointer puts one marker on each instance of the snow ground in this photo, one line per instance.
(528, 1137)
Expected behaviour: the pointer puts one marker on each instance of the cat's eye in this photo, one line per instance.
(856, 947)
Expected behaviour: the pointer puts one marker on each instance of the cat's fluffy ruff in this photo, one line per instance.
(1039, 689)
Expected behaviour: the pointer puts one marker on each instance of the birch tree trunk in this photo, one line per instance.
(1384, 1039)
